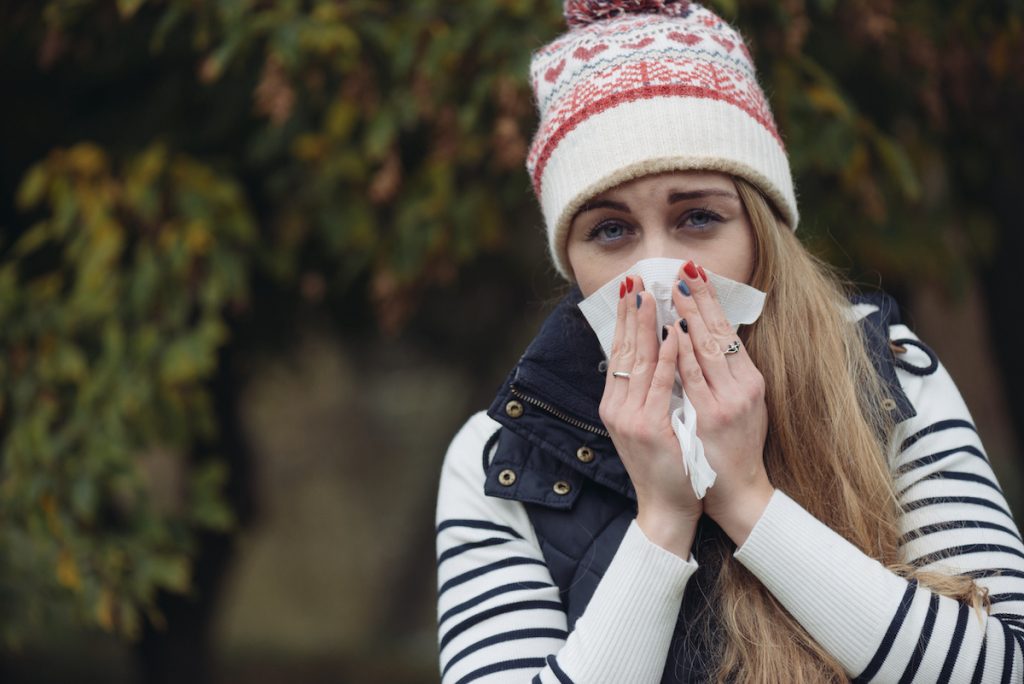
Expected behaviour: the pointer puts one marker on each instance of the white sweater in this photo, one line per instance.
(501, 619)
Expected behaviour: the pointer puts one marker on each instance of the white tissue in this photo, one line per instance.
(740, 303)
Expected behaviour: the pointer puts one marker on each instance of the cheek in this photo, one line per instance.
(590, 267)
(738, 264)
(732, 256)
(592, 277)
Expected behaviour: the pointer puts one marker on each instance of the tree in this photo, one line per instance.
(164, 158)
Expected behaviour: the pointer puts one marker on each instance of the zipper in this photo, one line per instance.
(548, 408)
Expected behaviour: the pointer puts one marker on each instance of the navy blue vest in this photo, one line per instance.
(554, 455)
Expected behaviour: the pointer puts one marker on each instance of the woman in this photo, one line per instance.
(855, 529)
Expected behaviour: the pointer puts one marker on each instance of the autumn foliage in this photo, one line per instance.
(372, 148)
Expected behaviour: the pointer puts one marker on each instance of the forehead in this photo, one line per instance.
(670, 181)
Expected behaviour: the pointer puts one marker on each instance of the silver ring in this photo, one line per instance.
(733, 347)
(620, 374)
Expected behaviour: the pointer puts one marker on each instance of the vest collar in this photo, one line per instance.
(551, 397)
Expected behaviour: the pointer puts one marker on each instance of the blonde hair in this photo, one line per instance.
(826, 448)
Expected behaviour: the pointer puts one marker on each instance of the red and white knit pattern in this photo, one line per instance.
(631, 94)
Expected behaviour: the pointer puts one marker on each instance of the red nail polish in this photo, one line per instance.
(629, 284)
(691, 270)
(703, 275)
(622, 289)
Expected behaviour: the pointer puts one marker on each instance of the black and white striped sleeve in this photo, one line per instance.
(500, 617)
(881, 627)
(957, 521)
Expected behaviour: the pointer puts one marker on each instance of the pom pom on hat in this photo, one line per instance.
(582, 12)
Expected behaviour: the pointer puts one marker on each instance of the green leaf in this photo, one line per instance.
(33, 187)
(127, 8)
(84, 498)
(69, 362)
(32, 239)
(208, 508)
(169, 572)
(186, 359)
(898, 165)
(380, 135)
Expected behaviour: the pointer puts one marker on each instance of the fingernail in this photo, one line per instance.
(684, 288)
(691, 269)
(639, 300)
(629, 284)
(622, 289)
(682, 324)
(703, 275)
(664, 332)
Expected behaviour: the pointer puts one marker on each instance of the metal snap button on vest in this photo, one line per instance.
(888, 404)
(585, 454)
(514, 409)
(562, 488)
(507, 477)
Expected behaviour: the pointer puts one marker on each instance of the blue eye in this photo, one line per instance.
(700, 219)
(607, 231)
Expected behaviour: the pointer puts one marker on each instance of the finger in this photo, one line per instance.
(690, 372)
(629, 332)
(615, 389)
(706, 298)
(707, 348)
(664, 376)
(646, 354)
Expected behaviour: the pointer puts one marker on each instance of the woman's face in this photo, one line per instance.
(693, 215)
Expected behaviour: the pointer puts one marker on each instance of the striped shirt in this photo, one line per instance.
(500, 618)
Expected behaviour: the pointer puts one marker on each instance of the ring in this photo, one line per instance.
(620, 374)
(733, 347)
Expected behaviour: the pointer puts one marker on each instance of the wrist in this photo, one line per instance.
(673, 531)
(741, 515)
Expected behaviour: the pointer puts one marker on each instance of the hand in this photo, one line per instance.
(727, 392)
(635, 409)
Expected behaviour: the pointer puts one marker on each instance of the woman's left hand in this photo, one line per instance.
(727, 392)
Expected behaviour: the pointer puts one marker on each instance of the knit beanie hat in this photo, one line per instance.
(645, 86)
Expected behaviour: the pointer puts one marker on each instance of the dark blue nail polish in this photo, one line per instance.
(682, 324)
(684, 288)
(639, 301)
(664, 332)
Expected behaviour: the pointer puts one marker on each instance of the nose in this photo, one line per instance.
(655, 244)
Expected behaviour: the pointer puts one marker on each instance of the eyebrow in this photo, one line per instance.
(698, 194)
(672, 199)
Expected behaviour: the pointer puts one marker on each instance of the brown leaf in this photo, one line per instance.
(387, 180)
(52, 48)
(313, 287)
(210, 70)
(274, 95)
(509, 143)
(163, 474)
(392, 302)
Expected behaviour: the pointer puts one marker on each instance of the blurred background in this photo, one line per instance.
(259, 259)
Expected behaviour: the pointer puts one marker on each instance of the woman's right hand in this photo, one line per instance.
(636, 412)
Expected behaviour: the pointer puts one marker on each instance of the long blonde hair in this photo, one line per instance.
(826, 448)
